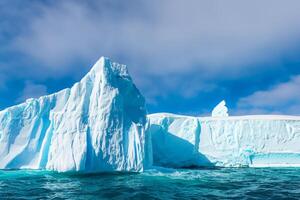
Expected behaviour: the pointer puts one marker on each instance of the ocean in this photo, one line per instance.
(216, 183)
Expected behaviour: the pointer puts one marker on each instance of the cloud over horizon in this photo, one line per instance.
(188, 49)
(32, 90)
(285, 97)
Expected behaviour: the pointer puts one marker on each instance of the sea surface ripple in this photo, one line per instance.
(222, 183)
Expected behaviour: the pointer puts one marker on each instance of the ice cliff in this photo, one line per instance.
(97, 125)
(252, 141)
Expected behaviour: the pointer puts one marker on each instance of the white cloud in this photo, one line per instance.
(170, 39)
(283, 98)
(32, 90)
(166, 35)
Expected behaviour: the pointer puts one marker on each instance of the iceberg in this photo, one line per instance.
(241, 141)
(101, 125)
(220, 110)
(95, 126)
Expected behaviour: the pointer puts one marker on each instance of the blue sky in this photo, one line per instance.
(184, 56)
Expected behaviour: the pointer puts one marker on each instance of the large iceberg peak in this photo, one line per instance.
(115, 75)
(105, 65)
(96, 125)
(220, 110)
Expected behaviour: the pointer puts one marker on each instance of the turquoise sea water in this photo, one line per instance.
(242, 183)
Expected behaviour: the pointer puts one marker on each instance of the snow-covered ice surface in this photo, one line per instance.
(254, 141)
(97, 125)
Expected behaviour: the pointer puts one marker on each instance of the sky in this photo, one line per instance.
(184, 56)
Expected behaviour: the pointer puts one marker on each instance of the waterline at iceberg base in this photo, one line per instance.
(101, 125)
